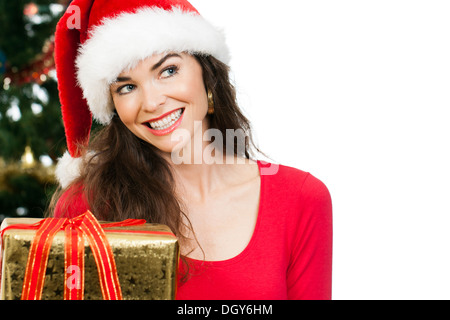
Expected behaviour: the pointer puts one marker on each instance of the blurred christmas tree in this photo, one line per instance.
(31, 130)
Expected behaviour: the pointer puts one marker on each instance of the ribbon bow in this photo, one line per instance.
(76, 231)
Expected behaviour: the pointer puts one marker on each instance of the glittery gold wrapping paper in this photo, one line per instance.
(146, 263)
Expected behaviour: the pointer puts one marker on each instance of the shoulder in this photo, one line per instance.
(293, 182)
(296, 197)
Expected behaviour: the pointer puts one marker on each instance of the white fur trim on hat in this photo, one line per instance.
(67, 169)
(121, 42)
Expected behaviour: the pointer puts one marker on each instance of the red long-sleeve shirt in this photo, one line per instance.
(289, 255)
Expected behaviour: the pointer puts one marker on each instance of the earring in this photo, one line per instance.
(210, 103)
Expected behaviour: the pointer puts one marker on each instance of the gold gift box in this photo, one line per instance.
(146, 263)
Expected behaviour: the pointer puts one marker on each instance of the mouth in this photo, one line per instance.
(166, 124)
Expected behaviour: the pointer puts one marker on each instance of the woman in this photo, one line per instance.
(177, 150)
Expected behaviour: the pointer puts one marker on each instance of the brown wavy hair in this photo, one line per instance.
(125, 177)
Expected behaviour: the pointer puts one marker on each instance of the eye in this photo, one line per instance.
(169, 72)
(125, 89)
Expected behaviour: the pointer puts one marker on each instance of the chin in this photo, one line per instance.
(170, 146)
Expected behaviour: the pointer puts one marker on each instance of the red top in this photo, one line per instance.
(289, 255)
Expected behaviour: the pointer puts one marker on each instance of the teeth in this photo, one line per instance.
(167, 121)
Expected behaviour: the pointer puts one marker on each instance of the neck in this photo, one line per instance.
(203, 167)
(191, 172)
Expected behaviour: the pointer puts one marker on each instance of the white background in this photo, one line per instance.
(357, 93)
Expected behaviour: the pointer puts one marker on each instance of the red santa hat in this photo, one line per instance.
(96, 40)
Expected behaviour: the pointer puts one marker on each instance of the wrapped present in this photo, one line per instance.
(82, 258)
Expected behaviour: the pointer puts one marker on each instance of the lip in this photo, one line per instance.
(167, 130)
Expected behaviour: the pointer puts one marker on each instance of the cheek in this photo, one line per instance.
(198, 100)
(192, 90)
(126, 110)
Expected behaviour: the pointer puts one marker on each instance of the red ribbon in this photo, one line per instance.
(76, 230)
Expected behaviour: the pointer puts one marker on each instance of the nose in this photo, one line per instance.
(153, 98)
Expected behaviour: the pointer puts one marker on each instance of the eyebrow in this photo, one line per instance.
(122, 79)
(156, 66)
(160, 62)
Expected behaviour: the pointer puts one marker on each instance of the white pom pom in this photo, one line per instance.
(67, 169)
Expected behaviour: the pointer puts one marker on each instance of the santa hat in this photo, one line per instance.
(96, 40)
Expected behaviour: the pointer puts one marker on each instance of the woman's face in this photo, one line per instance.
(163, 93)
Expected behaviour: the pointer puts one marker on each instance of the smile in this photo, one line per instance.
(167, 124)
(167, 121)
